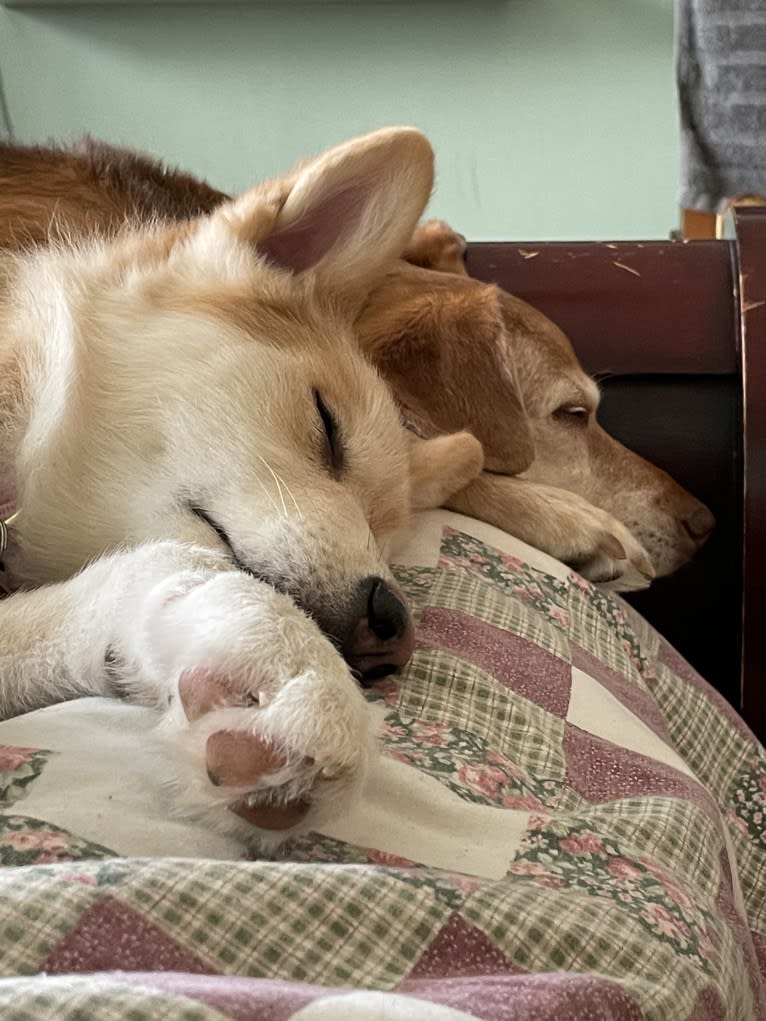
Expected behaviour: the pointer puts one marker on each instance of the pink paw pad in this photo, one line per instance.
(236, 758)
(271, 817)
(201, 691)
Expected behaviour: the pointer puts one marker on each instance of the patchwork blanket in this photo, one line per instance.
(565, 821)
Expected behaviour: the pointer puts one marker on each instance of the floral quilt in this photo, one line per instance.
(564, 821)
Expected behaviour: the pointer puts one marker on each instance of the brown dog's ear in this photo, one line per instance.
(440, 342)
(344, 216)
(441, 467)
(435, 245)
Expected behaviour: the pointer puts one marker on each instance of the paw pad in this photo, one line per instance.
(201, 691)
(271, 817)
(237, 758)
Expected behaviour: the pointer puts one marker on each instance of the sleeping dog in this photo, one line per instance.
(202, 477)
(200, 473)
(459, 353)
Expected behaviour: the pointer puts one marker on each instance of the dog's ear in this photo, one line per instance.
(441, 344)
(344, 216)
(441, 467)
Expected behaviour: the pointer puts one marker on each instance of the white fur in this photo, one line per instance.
(176, 367)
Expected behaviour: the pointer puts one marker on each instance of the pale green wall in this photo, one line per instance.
(551, 118)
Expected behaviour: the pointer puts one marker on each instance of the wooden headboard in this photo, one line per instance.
(675, 332)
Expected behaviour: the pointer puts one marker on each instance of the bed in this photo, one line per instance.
(566, 819)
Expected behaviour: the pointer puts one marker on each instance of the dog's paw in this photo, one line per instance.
(435, 245)
(602, 550)
(263, 723)
(562, 524)
(441, 466)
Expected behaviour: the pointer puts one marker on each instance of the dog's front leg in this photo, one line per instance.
(560, 523)
(58, 641)
(259, 714)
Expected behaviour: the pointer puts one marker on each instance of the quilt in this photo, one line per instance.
(565, 820)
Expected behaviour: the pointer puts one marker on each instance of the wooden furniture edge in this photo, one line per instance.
(750, 224)
(667, 316)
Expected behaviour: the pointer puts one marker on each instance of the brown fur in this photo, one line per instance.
(462, 354)
(91, 187)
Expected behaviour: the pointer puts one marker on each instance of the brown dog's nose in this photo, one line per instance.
(698, 524)
(383, 638)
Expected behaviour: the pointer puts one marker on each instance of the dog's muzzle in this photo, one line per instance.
(371, 626)
(369, 623)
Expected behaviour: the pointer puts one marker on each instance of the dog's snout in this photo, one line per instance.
(698, 523)
(382, 639)
(386, 613)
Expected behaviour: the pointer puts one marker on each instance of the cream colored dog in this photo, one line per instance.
(201, 477)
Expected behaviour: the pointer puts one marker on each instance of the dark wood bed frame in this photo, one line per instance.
(675, 332)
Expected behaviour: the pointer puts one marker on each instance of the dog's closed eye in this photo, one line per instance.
(212, 524)
(332, 447)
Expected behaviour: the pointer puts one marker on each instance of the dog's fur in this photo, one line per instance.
(458, 354)
(463, 354)
(177, 366)
(207, 471)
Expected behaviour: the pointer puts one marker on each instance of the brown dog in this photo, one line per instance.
(459, 353)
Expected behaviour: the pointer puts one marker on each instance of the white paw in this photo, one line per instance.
(264, 725)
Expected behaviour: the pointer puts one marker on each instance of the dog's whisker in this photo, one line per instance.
(280, 483)
(268, 493)
(290, 493)
(279, 490)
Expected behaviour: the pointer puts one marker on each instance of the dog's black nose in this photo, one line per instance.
(382, 639)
